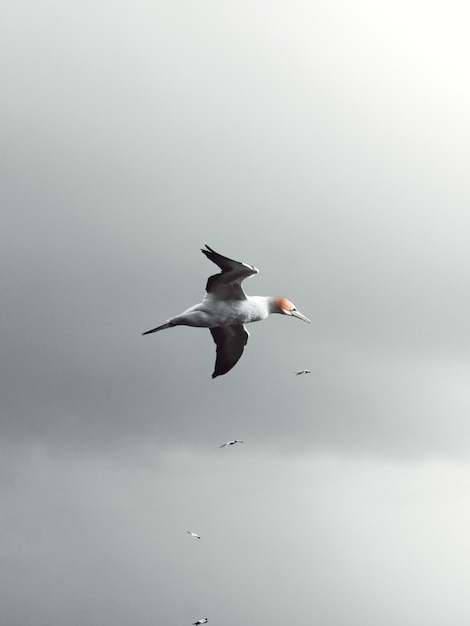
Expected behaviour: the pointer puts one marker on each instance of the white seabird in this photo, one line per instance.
(299, 372)
(201, 621)
(225, 309)
(195, 535)
(231, 443)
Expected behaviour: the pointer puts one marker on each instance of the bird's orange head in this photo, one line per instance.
(286, 307)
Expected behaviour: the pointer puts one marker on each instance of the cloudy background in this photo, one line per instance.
(328, 144)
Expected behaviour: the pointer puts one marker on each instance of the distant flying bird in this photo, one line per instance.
(230, 443)
(302, 372)
(195, 535)
(225, 309)
(201, 621)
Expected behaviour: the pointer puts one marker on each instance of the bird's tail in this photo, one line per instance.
(162, 327)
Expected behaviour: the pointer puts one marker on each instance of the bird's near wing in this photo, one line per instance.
(227, 284)
(230, 341)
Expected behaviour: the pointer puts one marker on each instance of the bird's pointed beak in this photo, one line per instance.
(300, 316)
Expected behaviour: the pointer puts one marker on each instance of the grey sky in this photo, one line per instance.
(326, 144)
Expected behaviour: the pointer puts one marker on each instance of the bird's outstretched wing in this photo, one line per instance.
(227, 284)
(230, 341)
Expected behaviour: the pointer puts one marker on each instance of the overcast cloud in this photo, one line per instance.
(328, 145)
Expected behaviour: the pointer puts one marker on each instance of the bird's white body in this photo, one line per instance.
(226, 309)
(213, 312)
(195, 535)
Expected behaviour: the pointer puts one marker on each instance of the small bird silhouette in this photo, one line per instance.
(231, 443)
(302, 372)
(201, 621)
(195, 535)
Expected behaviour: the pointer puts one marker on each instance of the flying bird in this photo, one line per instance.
(225, 309)
(299, 372)
(195, 535)
(201, 621)
(231, 443)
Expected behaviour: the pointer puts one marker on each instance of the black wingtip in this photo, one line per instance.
(209, 251)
